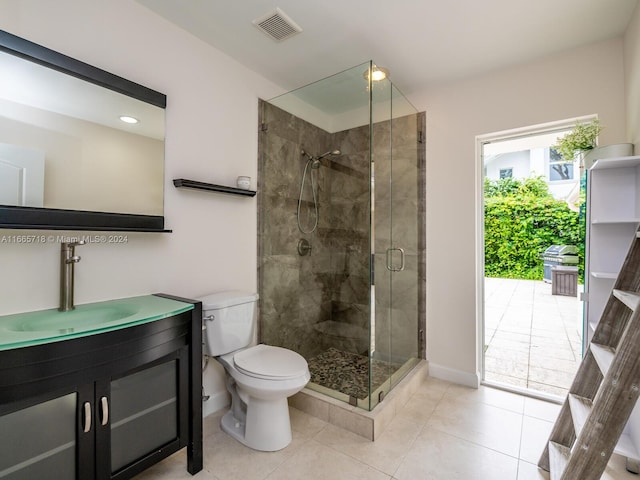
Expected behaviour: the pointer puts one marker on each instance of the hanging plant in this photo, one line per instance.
(581, 138)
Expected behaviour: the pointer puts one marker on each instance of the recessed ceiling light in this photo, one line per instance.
(127, 119)
(377, 74)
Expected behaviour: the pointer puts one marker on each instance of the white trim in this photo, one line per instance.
(525, 392)
(480, 257)
(533, 130)
(455, 376)
(215, 402)
(481, 140)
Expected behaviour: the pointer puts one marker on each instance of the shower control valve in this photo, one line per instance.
(304, 247)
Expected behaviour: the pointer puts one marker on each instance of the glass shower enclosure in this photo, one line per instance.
(341, 209)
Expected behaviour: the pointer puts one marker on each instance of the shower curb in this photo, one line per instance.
(356, 420)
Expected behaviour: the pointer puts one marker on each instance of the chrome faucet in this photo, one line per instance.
(68, 258)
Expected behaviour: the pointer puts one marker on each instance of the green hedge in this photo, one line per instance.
(522, 219)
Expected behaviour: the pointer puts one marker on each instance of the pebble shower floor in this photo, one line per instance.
(348, 373)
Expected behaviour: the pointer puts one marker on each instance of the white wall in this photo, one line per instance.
(211, 125)
(632, 78)
(583, 81)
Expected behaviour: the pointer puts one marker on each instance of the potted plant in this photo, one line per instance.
(581, 139)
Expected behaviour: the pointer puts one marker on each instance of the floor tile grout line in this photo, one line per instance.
(471, 441)
(332, 447)
(359, 460)
(475, 443)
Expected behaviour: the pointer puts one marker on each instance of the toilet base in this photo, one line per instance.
(233, 427)
(267, 426)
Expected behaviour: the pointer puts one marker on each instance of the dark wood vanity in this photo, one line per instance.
(106, 405)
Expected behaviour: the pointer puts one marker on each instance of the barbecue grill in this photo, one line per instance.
(559, 255)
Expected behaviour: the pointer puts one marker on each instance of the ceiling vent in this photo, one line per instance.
(277, 25)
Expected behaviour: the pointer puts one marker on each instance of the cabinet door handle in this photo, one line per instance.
(87, 417)
(105, 410)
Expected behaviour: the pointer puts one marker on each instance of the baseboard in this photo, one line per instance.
(455, 376)
(215, 402)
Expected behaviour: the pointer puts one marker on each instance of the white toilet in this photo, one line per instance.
(259, 378)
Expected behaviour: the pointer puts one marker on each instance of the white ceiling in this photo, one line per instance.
(422, 42)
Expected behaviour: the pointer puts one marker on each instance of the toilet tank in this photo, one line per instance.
(229, 319)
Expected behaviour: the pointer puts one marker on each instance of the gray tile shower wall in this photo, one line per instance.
(293, 288)
(310, 303)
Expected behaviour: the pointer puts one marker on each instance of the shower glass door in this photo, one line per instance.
(396, 183)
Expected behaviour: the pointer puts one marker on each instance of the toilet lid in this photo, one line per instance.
(266, 361)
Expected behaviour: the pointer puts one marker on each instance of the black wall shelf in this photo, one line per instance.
(211, 187)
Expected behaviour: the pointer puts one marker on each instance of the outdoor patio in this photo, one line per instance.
(532, 338)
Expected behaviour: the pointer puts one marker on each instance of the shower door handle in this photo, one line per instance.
(390, 266)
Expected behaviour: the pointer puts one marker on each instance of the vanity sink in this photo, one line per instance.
(83, 317)
(34, 328)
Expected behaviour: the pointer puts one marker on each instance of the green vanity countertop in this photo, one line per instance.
(45, 326)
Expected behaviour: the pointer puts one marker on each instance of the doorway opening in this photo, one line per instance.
(532, 232)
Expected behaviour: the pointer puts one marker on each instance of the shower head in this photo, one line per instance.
(315, 161)
(332, 152)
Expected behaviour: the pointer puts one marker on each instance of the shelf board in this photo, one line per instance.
(603, 355)
(617, 162)
(605, 275)
(558, 459)
(630, 299)
(211, 187)
(614, 221)
(580, 408)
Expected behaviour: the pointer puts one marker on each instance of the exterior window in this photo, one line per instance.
(506, 172)
(560, 171)
(559, 168)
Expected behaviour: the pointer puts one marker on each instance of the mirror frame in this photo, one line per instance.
(18, 217)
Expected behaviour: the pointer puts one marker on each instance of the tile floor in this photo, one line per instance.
(443, 432)
(532, 338)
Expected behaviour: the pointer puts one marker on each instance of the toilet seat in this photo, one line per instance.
(270, 363)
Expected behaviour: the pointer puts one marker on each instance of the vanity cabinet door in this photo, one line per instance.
(47, 437)
(138, 415)
(105, 406)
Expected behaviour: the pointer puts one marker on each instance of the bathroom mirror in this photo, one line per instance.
(70, 158)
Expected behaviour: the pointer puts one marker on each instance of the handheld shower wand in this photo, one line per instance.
(314, 162)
